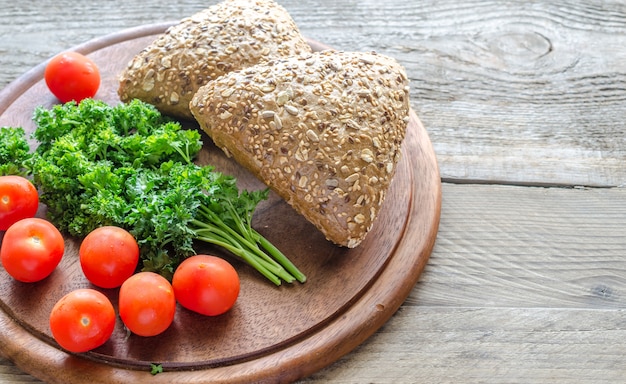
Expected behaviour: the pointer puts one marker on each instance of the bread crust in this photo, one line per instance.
(324, 132)
(228, 36)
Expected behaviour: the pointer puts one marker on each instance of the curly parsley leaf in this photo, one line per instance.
(14, 151)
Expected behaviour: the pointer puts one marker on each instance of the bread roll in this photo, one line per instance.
(324, 132)
(230, 35)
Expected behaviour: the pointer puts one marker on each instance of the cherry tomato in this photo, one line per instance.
(82, 320)
(72, 76)
(108, 256)
(146, 303)
(206, 284)
(31, 249)
(18, 200)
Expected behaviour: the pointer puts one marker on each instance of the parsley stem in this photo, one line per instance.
(241, 253)
(247, 250)
(281, 258)
(214, 235)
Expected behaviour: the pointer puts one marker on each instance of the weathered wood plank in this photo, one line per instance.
(524, 92)
(9, 373)
(503, 246)
(489, 345)
(515, 92)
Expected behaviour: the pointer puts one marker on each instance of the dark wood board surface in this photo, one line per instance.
(273, 334)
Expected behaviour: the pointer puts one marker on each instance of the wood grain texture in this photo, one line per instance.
(515, 92)
(503, 246)
(525, 284)
(489, 345)
(9, 373)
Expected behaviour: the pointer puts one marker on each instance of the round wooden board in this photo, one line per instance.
(273, 334)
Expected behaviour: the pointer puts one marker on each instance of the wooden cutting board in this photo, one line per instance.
(272, 334)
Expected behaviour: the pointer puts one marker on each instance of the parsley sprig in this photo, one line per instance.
(14, 151)
(127, 165)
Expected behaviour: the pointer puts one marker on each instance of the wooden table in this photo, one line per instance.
(525, 104)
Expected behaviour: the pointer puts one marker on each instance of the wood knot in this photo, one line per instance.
(523, 48)
(523, 45)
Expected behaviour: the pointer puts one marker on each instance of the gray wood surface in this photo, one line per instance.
(525, 104)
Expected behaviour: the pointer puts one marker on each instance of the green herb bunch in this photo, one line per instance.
(14, 151)
(129, 166)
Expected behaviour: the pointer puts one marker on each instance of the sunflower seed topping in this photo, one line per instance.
(326, 138)
(311, 135)
(222, 38)
(291, 110)
(267, 114)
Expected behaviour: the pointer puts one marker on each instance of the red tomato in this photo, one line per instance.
(82, 320)
(18, 200)
(147, 304)
(72, 76)
(108, 256)
(206, 284)
(31, 249)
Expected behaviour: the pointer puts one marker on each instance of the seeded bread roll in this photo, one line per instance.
(324, 132)
(231, 35)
